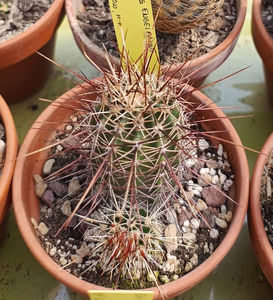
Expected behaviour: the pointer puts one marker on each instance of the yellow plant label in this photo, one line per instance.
(134, 26)
(120, 295)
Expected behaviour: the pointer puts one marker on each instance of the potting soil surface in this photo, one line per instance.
(238, 276)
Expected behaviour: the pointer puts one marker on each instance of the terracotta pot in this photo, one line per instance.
(11, 151)
(199, 67)
(264, 45)
(26, 205)
(22, 71)
(261, 245)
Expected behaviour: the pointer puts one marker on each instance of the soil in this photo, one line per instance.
(18, 15)
(70, 240)
(96, 22)
(267, 15)
(266, 197)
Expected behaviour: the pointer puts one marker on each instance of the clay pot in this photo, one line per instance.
(26, 205)
(261, 245)
(264, 45)
(22, 70)
(11, 152)
(199, 68)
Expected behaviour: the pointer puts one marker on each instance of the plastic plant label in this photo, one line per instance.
(120, 295)
(134, 26)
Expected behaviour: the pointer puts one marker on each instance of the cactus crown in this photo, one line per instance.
(176, 16)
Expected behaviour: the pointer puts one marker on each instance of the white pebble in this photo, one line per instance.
(195, 223)
(220, 150)
(223, 209)
(59, 147)
(212, 171)
(68, 127)
(222, 178)
(190, 162)
(201, 205)
(221, 223)
(63, 261)
(43, 229)
(204, 171)
(34, 223)
(196, 193)
(2, 150)
(228, 216)
(211, 247)
(188, 266)
(186, 223)
(194, 259)
(189, 185)
(214, 233)
(203, 144)
(52, 251)
(215, 179)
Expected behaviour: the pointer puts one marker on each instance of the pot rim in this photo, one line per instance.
(10, 157)
(32, 39)
(171, 289)
(257, 232)
(192, 63)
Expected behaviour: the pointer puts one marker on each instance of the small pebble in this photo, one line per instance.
(188, 266)
(204, 171)
(2, 150)
(194, 259)
(222, 178)
(220, 150)
(52, 251)
(221, 223)
(175, 277)
(66, 208)
(170, 242)
(42, 228)
(74, 186)
(164, 278)
(63, 261)
(195, 223)
(215, 179)
(228, 216)
(214, 233)
(223, 209)
(48, 166)
(34, 223)
(203, 144)
(69, 127)
(201, 205)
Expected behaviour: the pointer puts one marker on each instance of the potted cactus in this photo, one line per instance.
(8, 152)
(126, 166)
(188, 14)
(24, 68)
(260, 210)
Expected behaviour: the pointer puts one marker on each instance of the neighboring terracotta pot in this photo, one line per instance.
(22, 70)
(264, 45)
(10, 157)
(259, 239)
(199, 67)
(26, 205)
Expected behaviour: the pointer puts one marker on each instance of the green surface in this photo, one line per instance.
(238, 275)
